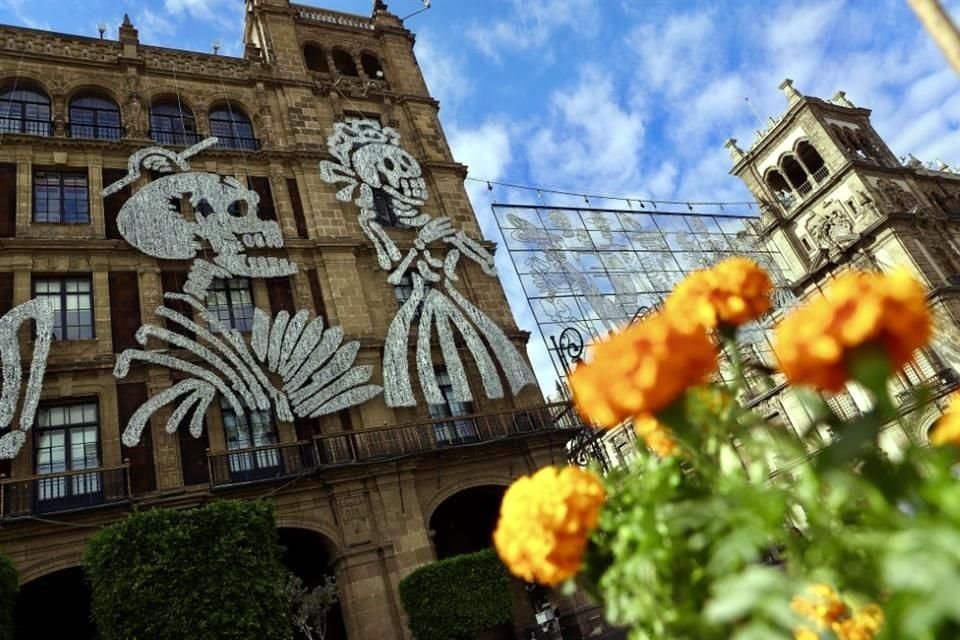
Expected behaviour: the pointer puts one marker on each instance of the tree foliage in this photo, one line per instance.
(453, 599)
(211, 573)
(310, 608)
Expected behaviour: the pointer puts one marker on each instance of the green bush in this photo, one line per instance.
(455, 598)
(8, 598)
(211, 573)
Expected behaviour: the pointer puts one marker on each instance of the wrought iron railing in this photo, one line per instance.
(938, 384)
(370, 445)
(805, 188)
(238, 142)
(174, 138)
(66, 491)
(27, 126)
(821, 174)
(95, 131)
(268, 462)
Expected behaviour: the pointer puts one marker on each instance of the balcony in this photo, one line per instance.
(63, 492)
(941, 383)
(255, 464)
(821, 174)
(241, 466)
(26, 126)
(174, 138)
(95, 132)
(237, 142)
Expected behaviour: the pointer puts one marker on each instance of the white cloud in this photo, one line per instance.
(533, 24)
(19, 9)
(590, 140)
(443, 72)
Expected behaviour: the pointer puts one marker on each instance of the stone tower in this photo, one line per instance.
(834, 196)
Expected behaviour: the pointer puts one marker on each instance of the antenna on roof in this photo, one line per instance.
(759, 119)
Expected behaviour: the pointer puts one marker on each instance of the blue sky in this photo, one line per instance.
(632, 97)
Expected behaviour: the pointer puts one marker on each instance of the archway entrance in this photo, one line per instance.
(56, 605)
(309, 556)
(464, 522)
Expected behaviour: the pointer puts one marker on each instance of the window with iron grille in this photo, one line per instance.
(94, 117)
(455, 431)
(25, 111)
(843, 405)
(60, 197)
(73, 306)
(66, 439)
(172, 124)
(231, 301)
(232, 129)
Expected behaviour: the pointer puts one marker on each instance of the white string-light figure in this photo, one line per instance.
(369, 157)
(313, 364)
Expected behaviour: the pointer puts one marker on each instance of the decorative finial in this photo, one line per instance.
(126, 20)
(788, 89)
(841, 99)
(736, 153)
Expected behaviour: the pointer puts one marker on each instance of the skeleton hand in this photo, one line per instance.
(434, 230)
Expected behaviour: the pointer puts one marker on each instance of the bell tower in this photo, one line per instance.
(833, 196)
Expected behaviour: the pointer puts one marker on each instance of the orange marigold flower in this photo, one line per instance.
(545, 520)
(947, 429)
(857, 309)
(657, 437)
(642, 369)
(826, 610)
(732, 292)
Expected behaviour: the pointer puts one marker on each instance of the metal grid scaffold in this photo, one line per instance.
(586, 272)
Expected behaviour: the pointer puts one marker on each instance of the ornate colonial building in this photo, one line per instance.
(835, 197)
(96, 232)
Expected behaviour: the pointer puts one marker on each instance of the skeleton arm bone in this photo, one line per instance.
(474, 251)
(387, 251)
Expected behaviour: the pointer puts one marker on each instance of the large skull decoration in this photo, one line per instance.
(225, 216)
(388, 167)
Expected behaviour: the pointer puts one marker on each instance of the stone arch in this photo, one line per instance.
(65, 588)
(370, 63)
(26, 80)
(313, 556)
(170, 94)
(344, 62)
(219, 100)
(311, 524)
(315, 56)
(81, 87)
(478, 480)
(464, 522)
(44, 567)
(927, 421)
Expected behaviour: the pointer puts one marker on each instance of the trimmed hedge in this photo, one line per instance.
(211, 573)
(455, 598)
(9, 586)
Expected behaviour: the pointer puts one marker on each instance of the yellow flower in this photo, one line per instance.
(641, 369)
(826, 610)
(545, 520)
(888, 311)
(657, 437)
(947, 429)
(732, 292)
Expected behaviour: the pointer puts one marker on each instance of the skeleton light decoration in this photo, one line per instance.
(314, 366)
(369, 157)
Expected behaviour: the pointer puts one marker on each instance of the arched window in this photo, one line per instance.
(371, 66)
(315, 58)
(343, 62)
(172, 123)
(812, 160)
(25, 111)
(94, 117)
(780, 188)
(232, 128)
(795, 174)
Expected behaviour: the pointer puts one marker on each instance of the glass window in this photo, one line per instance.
(246, 431)
(66, 439)
(455, 431)
(231, 301)
(232, 129)
(94, 117)
(73, 306)
(403, 291)
(172, 124)
(25, 111)
(60, 197)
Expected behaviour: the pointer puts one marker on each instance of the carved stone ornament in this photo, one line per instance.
(901, 200)
(833, 230)
(313, 365)
(368, 156)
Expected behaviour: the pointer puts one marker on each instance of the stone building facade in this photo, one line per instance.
(833, 197)
(370, 492)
